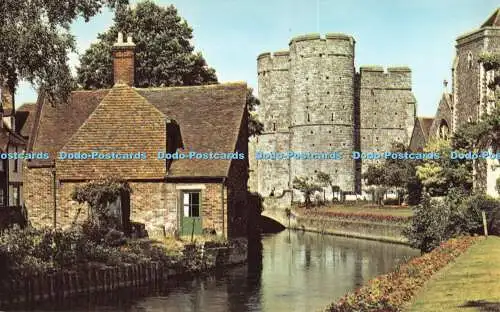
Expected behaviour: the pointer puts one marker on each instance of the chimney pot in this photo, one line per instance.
(120, 37)
(124, 61)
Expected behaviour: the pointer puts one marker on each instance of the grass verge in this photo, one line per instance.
(391, 292)
(472, 283)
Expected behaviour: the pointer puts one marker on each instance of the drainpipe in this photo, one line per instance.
(222, 204)
(54, 185)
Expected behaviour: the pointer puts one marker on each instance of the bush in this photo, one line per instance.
(458, 214)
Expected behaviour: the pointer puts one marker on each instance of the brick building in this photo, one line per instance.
(168, 196)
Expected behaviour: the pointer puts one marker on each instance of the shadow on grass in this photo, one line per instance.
(483, 305)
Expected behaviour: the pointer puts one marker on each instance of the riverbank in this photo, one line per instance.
(385, 225)
(392, 292)
(471, 283)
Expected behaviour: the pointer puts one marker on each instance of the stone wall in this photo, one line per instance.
(387, 109)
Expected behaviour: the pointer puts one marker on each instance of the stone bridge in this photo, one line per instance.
(275, 208)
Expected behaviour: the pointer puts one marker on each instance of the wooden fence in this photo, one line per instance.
(59, 285)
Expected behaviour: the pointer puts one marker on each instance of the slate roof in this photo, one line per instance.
(25, 115)
(209, 118)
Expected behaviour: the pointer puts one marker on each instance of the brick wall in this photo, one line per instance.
(153, 203)
(38, 196)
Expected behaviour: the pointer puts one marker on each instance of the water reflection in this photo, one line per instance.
(289, 271)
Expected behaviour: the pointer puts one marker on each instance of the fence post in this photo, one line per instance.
(484, 224)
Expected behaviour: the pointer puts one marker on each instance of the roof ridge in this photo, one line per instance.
(206, 86)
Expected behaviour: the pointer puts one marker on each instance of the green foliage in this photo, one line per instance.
(36, 41)
(428, 228)
(490, 60)
(307, 187)
(459, 213)
(164, 55)
(497, 185)
(99, 194)
(439, 175)
(255, 127)
(392, 291)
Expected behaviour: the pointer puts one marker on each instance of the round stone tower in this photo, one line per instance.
(274, 93)
(322, 77)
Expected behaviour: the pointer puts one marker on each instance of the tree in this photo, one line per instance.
(374, 176)
(164, 55)
(36, 39)
(325, 180)
(440, 175)
(307, 187)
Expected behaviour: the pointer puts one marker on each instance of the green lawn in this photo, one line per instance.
(472, 283)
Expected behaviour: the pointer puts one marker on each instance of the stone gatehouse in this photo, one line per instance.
(181, 195)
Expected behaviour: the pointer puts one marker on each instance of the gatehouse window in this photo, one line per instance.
(470, 60)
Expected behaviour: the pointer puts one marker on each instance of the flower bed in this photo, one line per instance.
(390, 292)
(362, 216)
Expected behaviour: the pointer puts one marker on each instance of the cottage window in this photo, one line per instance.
(191, 204)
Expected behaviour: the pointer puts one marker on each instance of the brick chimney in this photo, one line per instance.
(124, 61)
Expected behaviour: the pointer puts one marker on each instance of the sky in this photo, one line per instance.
(231, 34)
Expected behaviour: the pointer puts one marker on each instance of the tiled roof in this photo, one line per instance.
(124, 122)
(209, 118)
(25, 116)
(55, 124)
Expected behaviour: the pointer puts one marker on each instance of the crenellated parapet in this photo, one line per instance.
(393, 78)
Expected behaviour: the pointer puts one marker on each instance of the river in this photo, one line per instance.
(295, 271)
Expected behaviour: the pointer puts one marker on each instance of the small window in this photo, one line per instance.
(330, 131)
(308, 117)
(327, 77)
(191, 204)
(373, 93)
(332, 116)
(321, 55)
(274, 126)
(312, 132)
(376, 138)
(470, 60)
(327, 92)
(312, 144)
(395, 113)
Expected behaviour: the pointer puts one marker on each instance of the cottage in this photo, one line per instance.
(183, 151)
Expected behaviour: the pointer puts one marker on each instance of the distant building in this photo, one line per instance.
(314, 100)
(471, 95)
(15, 126)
